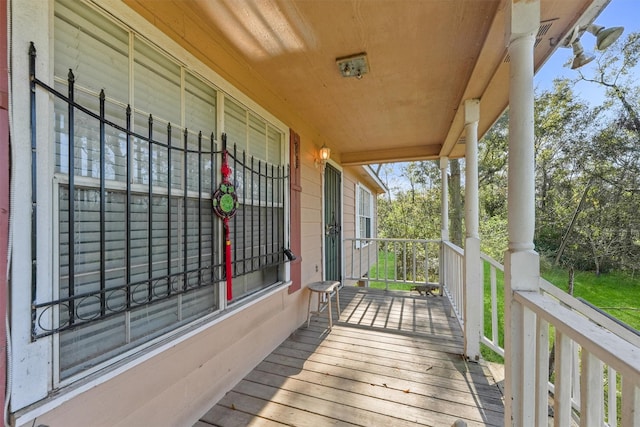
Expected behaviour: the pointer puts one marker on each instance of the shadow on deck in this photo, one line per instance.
(393, 359)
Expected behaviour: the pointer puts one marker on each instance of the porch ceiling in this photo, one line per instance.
(425, 57)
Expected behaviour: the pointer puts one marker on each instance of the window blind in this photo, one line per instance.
(138, 246)
(84, 42)
(169, 235)
(200, 116)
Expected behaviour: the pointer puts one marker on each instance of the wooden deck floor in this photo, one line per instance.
(392, 360)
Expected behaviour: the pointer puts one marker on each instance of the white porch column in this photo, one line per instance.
(444, 199)
(522, 265)
(473, 286)
(444, 215)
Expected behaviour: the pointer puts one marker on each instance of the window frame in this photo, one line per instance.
(36, 373)
(361, 189)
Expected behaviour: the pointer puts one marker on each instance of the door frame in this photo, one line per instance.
(341, 219)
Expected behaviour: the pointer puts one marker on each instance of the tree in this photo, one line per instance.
(612, 227)
(413, 213)
(563, 125)
(455, 195)
(492, 179)
(616, 70)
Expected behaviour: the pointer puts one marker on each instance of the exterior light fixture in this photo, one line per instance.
(353, 65)
(323, 156)
(579, 58)
(325, 153)
(605, 37)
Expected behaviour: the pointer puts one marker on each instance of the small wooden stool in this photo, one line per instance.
(326, 287)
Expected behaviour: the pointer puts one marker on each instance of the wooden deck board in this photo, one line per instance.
(350, 379)
(345, 339)
(424, 342)
(281, 406)
(221, 415)
(398, 375)
(391, 360)
(380, 309)
(378, 364)
(411, 361)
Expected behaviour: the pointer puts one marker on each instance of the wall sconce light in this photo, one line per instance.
(323, 156)
(605, 37)
(353, 65)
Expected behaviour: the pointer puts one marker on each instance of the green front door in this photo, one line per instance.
(332, 224)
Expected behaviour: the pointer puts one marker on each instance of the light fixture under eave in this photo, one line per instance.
(579, 58)
(325, 153)
(353, 65)
(605, 37)
(323, 156)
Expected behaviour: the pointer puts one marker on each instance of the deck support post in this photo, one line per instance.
(522, 264)
(473, 286)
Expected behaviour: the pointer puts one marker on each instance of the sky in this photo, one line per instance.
(625, 13)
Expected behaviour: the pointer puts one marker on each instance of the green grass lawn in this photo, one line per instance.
(616, 293)
(487, 353)
(385, 268)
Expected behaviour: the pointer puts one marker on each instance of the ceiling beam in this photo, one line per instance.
(391, 155)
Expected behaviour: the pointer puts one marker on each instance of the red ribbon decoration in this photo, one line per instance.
(227, 258)
(225, 204)
(226, 173)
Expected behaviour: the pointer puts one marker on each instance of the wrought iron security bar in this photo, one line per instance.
(99, 298)
(178, 259)
(261, 187)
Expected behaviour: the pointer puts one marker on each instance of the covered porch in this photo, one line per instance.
(436, 75)
(394, 358)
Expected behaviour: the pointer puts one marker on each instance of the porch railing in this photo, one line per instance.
(380, 261)
(453, 278)
(495, 270)
(589, 361)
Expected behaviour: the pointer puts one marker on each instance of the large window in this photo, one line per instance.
(139, 250)
(364, 212)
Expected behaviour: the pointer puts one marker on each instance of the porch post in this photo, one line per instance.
(444, 198)
(444, 214)
(5, 163)
(522, 264)
(473, 292)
